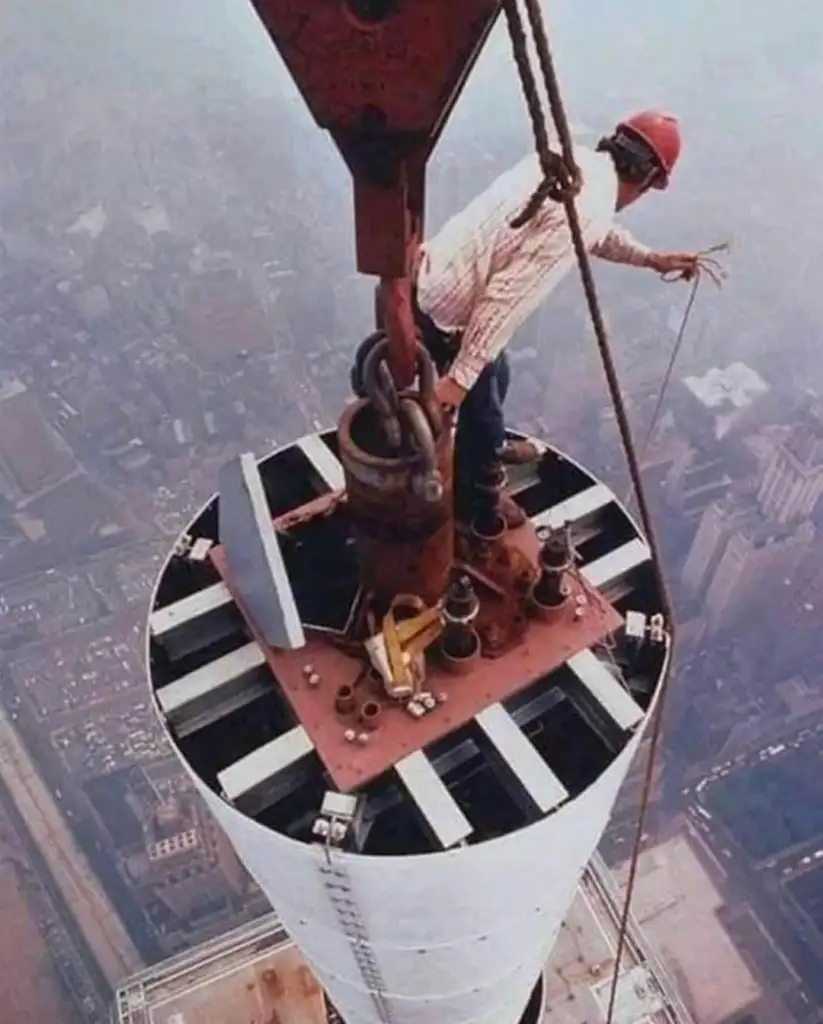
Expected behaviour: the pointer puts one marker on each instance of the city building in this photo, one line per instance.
(760, 532)
(256, 975)
(188, 866)
(685, 917)
(793, 482)
(757, 822)
(250, 975)
(714, 414)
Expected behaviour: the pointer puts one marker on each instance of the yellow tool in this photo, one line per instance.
(398, 651)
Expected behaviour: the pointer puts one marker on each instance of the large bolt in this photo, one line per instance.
(344, 701)
(370, 712)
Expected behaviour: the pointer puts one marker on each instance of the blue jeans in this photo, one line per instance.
(481, 429)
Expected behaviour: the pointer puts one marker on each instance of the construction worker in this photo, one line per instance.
(479, 278)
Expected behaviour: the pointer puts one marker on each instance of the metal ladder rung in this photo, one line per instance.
(438, 807)
(612, 566)
(188, 609)
(200, 697)
(324, 462)
(518, 753)
(261, 768)
(579, 506)
(601, 686)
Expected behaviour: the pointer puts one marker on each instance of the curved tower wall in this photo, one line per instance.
(457, 936)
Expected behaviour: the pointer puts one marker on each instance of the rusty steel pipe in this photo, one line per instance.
(370, 712)
(550, 593)
(405, 543)
(344, 700)
(460, 643)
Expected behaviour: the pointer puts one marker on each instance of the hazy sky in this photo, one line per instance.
(134, 79)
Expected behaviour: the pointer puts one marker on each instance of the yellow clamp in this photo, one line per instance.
(396, 652)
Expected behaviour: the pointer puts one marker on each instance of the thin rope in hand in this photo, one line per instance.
(706, 265)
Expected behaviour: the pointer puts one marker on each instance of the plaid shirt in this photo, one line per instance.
(482, 277)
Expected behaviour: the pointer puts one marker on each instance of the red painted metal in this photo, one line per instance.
(405, 544)
(352, 760)
(382, 76)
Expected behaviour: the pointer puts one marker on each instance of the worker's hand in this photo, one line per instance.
(449, 394)
(684, 264)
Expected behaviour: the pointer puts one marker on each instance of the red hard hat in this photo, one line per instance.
(661, 133)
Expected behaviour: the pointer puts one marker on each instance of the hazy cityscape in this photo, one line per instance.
(178, 286)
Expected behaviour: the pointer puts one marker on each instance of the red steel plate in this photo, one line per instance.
(544, 648)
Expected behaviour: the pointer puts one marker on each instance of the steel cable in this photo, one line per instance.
(558, 113)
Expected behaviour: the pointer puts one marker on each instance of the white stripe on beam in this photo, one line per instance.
(188, 609)
(610, 567)
(580, 505)
(211, 691)
(523, 760)
(601, 685)
(259, 770)
(429, 793)
(324, 462)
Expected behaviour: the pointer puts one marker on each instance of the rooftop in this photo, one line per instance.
(254, 975)
(675, 900)
(738, 385)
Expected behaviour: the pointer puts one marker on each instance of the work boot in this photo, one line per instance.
(517, 453)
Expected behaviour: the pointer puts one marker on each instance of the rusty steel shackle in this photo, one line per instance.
(412, 415)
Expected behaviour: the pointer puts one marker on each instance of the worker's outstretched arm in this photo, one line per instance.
(618, 246)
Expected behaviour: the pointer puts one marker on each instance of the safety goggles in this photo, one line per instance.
(641, 163)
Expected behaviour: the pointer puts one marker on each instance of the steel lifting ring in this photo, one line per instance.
(376, 377)
(380, 390)
(375, 347)
(426, 374)
(372, 378)
(428, 483)
(364, 349)
(427, 398)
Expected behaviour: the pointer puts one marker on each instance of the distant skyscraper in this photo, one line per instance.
(188, 866)
(746, 541)
(793, 483)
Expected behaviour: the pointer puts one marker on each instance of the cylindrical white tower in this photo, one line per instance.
(434, 891)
